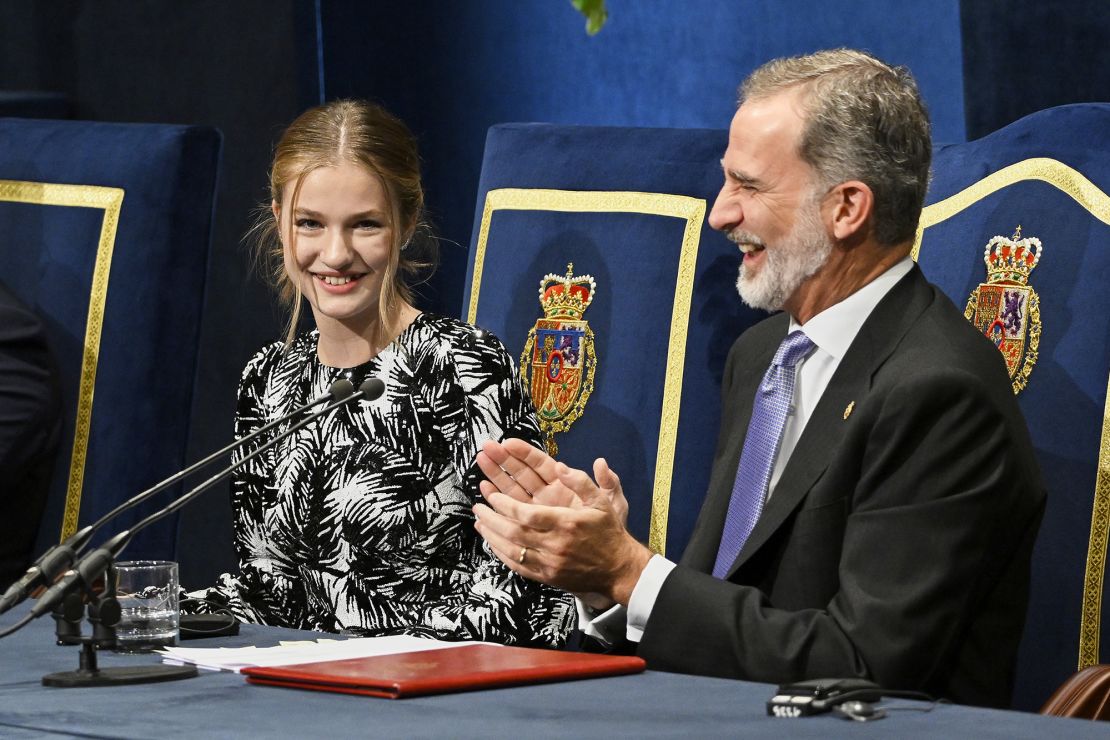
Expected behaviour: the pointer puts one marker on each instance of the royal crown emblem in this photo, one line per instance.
(559, 360)
(1006, 308)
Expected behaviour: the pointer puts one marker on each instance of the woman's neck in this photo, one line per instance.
(347, 344)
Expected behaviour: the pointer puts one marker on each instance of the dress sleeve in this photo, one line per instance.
(264, 591)
(494, 604)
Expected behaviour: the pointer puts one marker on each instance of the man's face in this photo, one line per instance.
(769, 205)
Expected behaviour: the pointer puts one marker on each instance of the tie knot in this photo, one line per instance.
(796, 346)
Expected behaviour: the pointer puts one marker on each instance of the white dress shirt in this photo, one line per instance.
(832, 331)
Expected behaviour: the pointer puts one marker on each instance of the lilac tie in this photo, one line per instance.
(772, 405)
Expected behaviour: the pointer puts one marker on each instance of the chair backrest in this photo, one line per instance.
(646, 335)
(1048, 174)
(104, 232)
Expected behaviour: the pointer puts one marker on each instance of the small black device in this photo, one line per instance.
(820, 695)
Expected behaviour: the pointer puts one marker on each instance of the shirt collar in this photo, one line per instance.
(834, 329)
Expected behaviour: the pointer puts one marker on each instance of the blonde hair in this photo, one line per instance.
(865, 120)
(366, 134)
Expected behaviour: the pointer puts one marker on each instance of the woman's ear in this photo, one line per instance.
(275, 208)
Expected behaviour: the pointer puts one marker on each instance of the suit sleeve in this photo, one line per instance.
(936, 485)
(29, 395)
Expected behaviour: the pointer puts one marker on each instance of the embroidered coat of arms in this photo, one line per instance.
(559, 359)
(1006, 308)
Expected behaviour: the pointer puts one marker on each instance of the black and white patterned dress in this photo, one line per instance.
(362, 522)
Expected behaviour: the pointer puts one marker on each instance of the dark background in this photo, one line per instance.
(452, 69)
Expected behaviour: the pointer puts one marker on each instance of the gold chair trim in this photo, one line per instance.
(692, 210)
(1097, 203)
(1096, 551)
(109, 200)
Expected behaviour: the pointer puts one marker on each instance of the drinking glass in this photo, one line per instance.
(147, 593)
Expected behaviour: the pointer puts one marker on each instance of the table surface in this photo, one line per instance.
(652, 704)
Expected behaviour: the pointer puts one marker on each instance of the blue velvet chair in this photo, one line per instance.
(635, 347)
(104, 232)
(1040, 298)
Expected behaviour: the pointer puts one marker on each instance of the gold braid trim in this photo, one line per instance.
(109, 200)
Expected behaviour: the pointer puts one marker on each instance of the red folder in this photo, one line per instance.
(443, 671)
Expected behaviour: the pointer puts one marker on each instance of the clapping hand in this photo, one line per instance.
(553, 524)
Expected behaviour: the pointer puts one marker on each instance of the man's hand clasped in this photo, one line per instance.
(554, 524)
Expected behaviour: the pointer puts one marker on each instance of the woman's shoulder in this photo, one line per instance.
(271, 357)
(445, 334)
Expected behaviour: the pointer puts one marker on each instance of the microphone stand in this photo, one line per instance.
(104, 614)
(58, 558)
(64, 598)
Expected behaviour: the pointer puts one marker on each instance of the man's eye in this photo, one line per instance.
(307, 223)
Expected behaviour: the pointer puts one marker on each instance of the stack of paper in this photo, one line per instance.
(294, 653)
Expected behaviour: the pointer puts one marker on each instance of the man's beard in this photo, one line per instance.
(786, 265)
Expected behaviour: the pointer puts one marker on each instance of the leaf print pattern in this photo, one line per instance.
(361, 523)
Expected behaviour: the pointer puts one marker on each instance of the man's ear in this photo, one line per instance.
(852, 204)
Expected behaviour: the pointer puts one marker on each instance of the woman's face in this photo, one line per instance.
(341, 237)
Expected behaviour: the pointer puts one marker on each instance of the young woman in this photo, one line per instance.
(362, 522)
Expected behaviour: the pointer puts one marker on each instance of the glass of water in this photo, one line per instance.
(147, 593)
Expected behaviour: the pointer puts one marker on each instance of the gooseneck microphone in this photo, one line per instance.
(60, 557)
(93, 565)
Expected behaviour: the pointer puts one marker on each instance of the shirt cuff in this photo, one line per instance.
(644, 595)
(602, 626)
(606, 625)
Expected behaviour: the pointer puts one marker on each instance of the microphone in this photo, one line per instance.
(93, 565)
(46, 568)
(60, 557)
(84, 574)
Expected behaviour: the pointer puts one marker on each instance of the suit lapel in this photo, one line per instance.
(820, 442)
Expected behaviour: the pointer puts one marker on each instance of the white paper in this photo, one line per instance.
(307, 651)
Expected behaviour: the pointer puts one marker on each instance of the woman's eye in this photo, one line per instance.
(368, 224)
(307, 223)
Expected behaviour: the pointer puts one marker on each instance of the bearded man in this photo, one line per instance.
(874, 497)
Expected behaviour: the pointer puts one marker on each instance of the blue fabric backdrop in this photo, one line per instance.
(454, 69)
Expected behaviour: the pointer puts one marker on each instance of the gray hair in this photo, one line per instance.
(865, 120)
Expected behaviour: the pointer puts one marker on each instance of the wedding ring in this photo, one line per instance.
(523, 555)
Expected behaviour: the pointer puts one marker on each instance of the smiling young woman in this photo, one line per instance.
(362, 522)
(337, 242)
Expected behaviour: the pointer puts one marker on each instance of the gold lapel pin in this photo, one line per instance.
(848, 410)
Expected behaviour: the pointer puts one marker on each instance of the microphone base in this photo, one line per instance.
(119, 676)
(90, 675)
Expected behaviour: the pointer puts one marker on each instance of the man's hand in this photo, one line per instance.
(568, 533)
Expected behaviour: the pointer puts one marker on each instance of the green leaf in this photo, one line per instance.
(595, 13)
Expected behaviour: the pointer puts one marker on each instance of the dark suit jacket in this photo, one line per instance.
(896, 545)
(30, 405)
